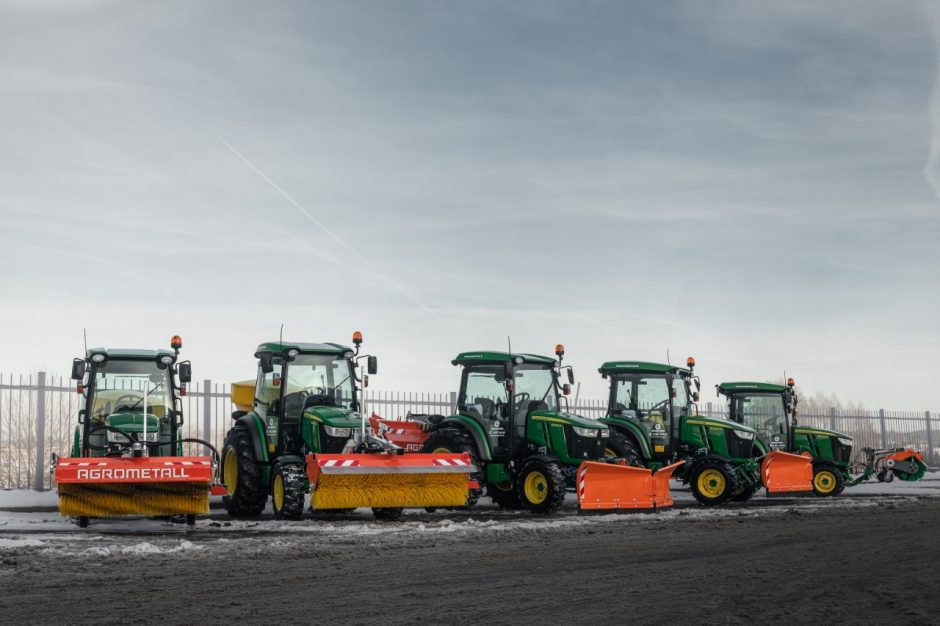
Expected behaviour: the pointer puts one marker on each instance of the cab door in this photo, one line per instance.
(268, 400)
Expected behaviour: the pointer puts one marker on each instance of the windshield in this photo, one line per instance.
(537, 382)
(322, 374)
(764, 412)
(121, 385)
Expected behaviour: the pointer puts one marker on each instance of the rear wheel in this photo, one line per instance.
(541, 486)
(387, 514)
(242, 476)
(828, 481)
(455, 441)
(620, 447)
(504, 495)
(746, 495)
(287, 491)
(711, 482)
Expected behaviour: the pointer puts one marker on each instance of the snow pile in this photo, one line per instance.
(144, 548)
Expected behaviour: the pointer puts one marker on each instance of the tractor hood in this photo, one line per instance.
(333, 416)
(133, 422)
(718, 422)
(568, 419)
(824, 432)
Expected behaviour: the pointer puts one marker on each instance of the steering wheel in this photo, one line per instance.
(117, 403)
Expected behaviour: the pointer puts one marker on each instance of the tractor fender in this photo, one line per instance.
(633, 432)
(475, 431)
(250, 422)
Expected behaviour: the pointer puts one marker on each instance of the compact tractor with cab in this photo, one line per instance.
(299, 429)
(653, 423)
(127, 452)
(771, 410)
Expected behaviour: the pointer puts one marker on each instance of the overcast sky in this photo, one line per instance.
(754, 184)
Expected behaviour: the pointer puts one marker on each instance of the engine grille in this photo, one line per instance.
(331, 445)
(584, 447)
(841, 453)
(737, 447)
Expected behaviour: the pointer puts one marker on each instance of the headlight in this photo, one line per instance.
(589, 432)
(349, 354)
(114, 437)
(292, 353)
(845, 441)
(743, 434)
(166, 359)
(97, 358)
(604, 433)
(336, 432)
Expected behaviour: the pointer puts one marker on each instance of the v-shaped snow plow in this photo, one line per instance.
(618, 486)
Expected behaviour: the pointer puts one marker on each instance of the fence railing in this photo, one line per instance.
(38, 414)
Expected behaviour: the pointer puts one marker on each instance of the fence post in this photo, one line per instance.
(708, 410)
(40, 431)
(832, 418)
(930, 460)
(207, 410)
(884, 435)
(453, 402)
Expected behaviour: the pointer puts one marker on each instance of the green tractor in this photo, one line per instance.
(771, 411)
(653, 422)
(511, 422)
(304, 399)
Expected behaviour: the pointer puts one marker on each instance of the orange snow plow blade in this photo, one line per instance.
(603, 486)
(153, 486)
(784, 473)
(380, 480)
(406, 434)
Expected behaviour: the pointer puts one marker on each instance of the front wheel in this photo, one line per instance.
(620, 447)
(241, 474)
(455, 441)
(504, 495)
(387, 514)
(712, 483)
(541, 486)
(828, 481)
(287, 491)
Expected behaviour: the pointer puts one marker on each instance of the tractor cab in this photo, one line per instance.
(648, 400)
(767, 408)
(305, 395)
(131, 400)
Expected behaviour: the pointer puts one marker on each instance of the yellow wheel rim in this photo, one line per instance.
(711, 483)
(440, 451)
(536, 487)
(610, 453)
(230, 471)
(824, 481)
(277, 492)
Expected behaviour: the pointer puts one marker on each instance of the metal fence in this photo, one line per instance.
(38, 415)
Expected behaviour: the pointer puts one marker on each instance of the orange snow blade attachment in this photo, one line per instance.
(407, 434)
(384, 480)
(116, 486)
(617, 486)
(784, 473)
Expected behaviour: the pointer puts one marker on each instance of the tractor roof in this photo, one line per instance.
(744, 387)
(489, 356)
(130, 353)
(279, 347)
(622, 367)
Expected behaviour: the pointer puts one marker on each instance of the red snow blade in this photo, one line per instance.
(610, 486)
(145, 469)
(405, 434)
(783, 473)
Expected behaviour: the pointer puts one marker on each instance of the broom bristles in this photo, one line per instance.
(117, 499)
(348, 491)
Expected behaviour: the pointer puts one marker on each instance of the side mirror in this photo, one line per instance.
(78, 369)
(373, 365)
(185, 372)
(81, 416)
(570, 376)
(266, 361)
(566, 389)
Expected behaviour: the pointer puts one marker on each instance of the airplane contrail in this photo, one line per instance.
(394, 283)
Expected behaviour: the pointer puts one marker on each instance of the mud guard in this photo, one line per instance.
(612, 486)
(783, 473)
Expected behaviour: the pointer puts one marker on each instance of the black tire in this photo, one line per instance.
(457, 441)
(387, 514)
(828, 480)
(505, 496)
(746, 495)
(545, 478)
(249, 495)
(624, 448)
(289, 479)
(712, 482)
(82, 522)
(190, 520)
